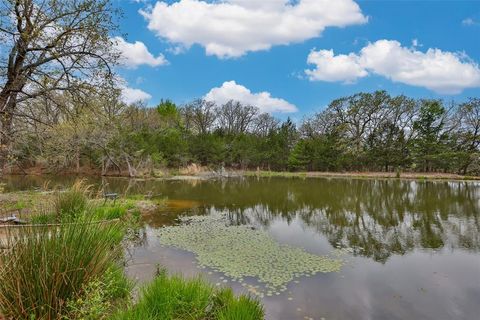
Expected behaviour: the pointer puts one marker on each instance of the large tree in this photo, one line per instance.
(469, 132)
(51, 46)
(430, 139)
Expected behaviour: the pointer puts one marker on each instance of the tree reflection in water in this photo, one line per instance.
(376, 218)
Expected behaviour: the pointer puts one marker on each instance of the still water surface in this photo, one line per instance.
(413, 245)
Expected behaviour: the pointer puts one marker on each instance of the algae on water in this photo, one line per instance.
(241, 251)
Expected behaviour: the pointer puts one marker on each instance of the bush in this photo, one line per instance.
(45, 267)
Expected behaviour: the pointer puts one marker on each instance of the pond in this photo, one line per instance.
(406, 249)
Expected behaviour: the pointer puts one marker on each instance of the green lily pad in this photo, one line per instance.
(241, 251)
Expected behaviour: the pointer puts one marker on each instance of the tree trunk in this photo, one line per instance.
(132, 172)
(77, 159)
(6, 131)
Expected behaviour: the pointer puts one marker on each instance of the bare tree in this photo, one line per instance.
(319, 124)
(470, 122)
(200, 116)
(265, 124)
(51, 46)
(469, 129)
(235, 118)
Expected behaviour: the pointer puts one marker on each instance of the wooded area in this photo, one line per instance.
(363, 132)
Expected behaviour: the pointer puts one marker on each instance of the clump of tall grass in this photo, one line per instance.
(174, 297)
(72, 203)
(229, 307)
(104, 212)
(76, 203)
(46, 267)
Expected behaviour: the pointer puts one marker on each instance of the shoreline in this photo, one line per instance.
(211, 175)
(366, 175)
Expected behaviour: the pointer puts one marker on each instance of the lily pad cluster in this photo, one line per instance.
(242, 251)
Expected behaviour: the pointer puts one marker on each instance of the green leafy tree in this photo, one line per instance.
(429, 142)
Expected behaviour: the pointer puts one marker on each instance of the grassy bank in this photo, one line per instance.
(371, 175)
(194, 172)
(68, 265)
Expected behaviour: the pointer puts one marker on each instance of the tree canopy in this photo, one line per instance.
(51, 50)
(363, 132)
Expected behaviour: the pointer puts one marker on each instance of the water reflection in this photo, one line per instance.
(376, 218)
(415, 243)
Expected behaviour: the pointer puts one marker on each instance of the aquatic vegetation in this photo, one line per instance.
(174, 297)
(241, 251)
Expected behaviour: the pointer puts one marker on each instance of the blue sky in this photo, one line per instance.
(189, 49)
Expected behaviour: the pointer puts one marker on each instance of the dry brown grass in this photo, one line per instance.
(192, 170)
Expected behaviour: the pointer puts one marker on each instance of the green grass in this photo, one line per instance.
(72, 203)
(110, 212)
(43, 218)
(100, 296)
(91, 211)
(46, 267)
(281, 174)
(176, 298)
(229, 307)
(135, 197)
(75, 204)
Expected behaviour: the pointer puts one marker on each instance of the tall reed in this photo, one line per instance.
(72, 203)
(45, 267)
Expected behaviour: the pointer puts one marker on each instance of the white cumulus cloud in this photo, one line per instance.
(331, 68)
(230, 90)
(131, 95)
(135, 54)
(231, 28)
(441, 71)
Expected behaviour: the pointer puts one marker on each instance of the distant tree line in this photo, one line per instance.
(362, 132)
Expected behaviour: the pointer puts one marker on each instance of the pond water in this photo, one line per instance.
(410, 249)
